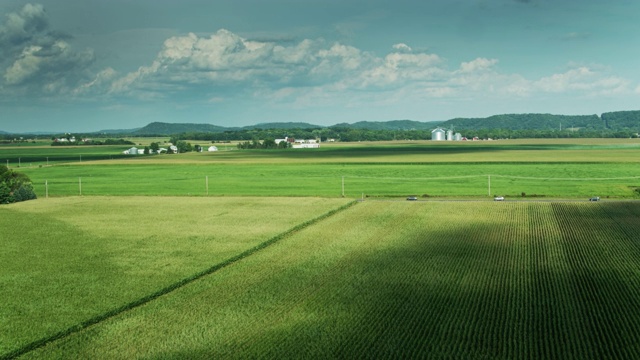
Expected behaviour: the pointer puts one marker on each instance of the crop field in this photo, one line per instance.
(65, 261)
(396, 279)
(265, 254)
(552, 169)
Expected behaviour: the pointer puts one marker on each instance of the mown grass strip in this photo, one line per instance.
(168, 289)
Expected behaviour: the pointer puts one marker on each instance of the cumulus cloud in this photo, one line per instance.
(312, 71)
(223, 65)
(37, 58)
(583, 80)
(479, 64)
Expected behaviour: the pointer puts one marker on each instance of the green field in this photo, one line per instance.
(396, 279)
(65, 261)
(543, 168)
(264, 254)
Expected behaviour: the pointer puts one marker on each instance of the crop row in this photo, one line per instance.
(409, 279)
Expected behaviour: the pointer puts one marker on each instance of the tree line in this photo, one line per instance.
(14, 186)
(249, 138)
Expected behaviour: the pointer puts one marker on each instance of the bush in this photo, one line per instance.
(14, 186)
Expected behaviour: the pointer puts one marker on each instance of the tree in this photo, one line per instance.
(154, 147)
(14, 186)
(183, 146)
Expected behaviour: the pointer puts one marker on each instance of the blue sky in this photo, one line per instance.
(88, 65)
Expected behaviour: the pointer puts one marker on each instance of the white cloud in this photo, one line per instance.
(583, 80)
(402, 47)
(479, 64)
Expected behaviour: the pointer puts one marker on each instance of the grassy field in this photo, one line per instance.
(541, 168)
(65, 261)
(406, 279)
(166, 256)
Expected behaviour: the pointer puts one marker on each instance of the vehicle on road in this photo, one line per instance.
(595, 198)
(498, 198)
(412, 198)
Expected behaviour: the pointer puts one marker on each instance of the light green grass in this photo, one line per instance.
(575, 180)
(65, 261)
(549, 168)
(406, 280)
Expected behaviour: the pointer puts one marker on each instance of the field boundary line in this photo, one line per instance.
(170, 288)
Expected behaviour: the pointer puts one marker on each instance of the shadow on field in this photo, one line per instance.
(479, 292)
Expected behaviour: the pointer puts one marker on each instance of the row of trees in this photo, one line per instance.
(14, 186)
(350, 135)
(265, 144)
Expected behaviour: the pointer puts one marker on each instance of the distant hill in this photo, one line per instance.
(118, 131)
(620, 120)
(390, 125)
(283, 125)
(614, 121)
(527, 121)
(160, 128)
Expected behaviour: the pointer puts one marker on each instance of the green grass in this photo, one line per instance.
(560, 168)
(65, 261)
(550, 180)
(402, 280)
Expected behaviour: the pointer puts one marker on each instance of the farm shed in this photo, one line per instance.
(213, 148)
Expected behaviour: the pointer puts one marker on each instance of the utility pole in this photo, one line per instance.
(489, 185)
(343, 186)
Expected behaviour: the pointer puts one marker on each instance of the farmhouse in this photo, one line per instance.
(300, 144)
(306, 144)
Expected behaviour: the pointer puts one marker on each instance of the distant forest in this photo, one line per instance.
(620, 124)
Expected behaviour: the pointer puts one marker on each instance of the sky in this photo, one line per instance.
(90, 65)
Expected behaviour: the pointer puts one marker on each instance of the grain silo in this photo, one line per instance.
(450, 135)
(457, 137)
(438, 134)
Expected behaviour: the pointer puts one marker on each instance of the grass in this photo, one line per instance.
(381, 279)
(573, 180)
(69, 260)
(560, 168)
(406, 279)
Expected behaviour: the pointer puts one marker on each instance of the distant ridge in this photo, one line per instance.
(390, 125)
(160, 128)
(283, 125)
(527, 122)
(613, 121)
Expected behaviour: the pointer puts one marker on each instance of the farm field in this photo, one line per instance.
(542, 168)
(67, 261)
(264, 254)
(404, 279)
(378, 180)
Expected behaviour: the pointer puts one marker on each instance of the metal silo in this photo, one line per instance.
(450, 135)
(438, 134)
(457, 137)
